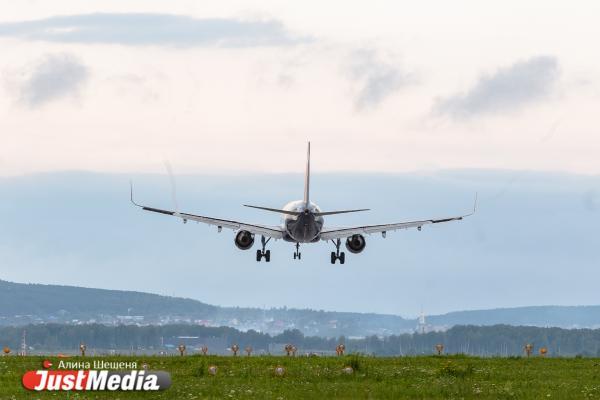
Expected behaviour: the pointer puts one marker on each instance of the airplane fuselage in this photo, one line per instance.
(303, 228)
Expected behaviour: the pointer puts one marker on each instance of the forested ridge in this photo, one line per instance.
(57, 303)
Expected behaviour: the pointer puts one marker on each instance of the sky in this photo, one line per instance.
(401, 94)
(236, 86)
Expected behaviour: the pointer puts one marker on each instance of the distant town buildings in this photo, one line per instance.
(423, 327)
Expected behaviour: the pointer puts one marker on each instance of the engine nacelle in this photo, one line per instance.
(356, 243)
(244, 240)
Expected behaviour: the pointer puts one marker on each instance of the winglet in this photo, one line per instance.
(131, 194)
(474, 206)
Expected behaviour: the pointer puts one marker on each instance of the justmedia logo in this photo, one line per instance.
(95, 380)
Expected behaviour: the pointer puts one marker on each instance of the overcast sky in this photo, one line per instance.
(241, 85)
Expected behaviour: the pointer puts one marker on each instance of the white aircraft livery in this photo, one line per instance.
(302, 222)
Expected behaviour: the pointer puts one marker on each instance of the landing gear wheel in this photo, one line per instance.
(297, 252)
(263, 253)
(336, 255)
(299, 256)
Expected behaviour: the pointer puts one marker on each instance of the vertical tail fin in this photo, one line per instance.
(307, 177)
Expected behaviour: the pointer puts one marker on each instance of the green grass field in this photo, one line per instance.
(427, 377)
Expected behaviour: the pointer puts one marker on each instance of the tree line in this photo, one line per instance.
(496, 340)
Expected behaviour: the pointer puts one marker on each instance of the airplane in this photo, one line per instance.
(302, 222)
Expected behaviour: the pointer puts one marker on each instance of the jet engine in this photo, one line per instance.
(356, 243)
(244, 240)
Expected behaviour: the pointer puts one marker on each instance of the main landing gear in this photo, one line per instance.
(262, 253)
(297, 254)
(336, 255)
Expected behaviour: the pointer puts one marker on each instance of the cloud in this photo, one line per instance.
(376, 79)
(506, 90)
(142, 87)
(151, 29)
(53, 77)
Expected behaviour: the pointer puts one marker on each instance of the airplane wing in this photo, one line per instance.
(338, 233)
(274, 232)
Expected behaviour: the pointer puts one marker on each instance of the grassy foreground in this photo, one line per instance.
(427, 377)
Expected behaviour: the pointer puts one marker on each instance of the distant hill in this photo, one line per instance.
(35, 303)
(543, 316)
(36, 299)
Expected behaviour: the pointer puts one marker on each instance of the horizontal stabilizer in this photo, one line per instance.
(317, 214)
(320, 214)
(274, 210)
